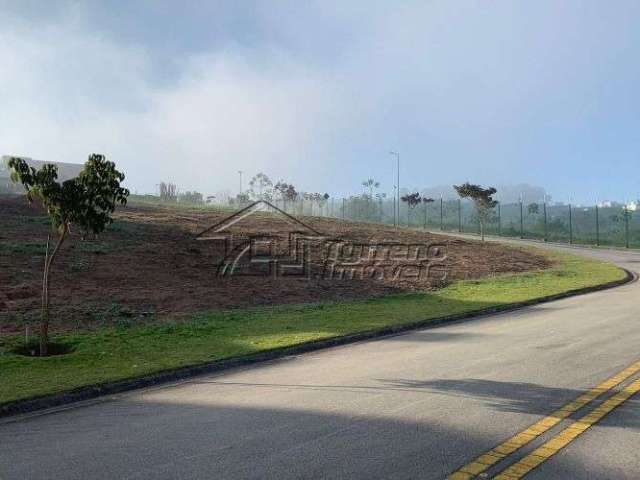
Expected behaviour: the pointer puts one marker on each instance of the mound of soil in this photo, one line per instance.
(150, 264)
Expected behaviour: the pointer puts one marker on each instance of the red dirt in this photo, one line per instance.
(149, 265)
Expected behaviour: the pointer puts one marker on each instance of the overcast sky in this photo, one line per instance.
(318, 92)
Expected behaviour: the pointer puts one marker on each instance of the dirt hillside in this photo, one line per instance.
(150, 265)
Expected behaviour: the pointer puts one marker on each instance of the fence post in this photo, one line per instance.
(626, 226)
(441, 216)
(395, 211)
(521, 221)
(546, 231)
(425, 215)
(570, 226)
(459, 216)
(597, 226)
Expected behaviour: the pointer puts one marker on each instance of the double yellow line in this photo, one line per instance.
(561, 440)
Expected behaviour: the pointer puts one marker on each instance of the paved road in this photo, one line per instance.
(417, 405)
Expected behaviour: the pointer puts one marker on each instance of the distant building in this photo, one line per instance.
(633, 206)
(66, 171)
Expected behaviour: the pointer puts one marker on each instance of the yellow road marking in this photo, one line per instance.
(568, 435)
(495, 455)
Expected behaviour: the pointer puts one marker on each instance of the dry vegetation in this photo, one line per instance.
(148, 265)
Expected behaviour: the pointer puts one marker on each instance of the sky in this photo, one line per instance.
(318, 92)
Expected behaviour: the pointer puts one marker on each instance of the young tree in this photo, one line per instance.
(286, 191)
(482, 199)
(86, 201)
(412, 200)
(370, 183)
(263, 184)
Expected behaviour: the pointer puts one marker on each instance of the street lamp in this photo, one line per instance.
(397, 155)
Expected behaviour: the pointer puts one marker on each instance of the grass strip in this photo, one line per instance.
(122, 353)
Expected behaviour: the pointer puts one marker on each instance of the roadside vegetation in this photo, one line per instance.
(85, 202)
(127, 351)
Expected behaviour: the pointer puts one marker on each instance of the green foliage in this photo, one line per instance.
(28, 248)
(371, 184)
(86, 201)
(286, 191)
(482, 199)
(412, 199)
(98, 248)
(261, 187)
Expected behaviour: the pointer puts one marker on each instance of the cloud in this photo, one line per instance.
(318, 94)
(67, 92)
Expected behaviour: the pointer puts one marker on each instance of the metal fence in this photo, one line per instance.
(614, 225)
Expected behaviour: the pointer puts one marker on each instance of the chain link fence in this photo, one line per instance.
(615, 225)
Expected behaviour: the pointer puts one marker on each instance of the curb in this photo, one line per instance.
(168, 376)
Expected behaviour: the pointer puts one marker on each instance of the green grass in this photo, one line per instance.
(29, 248)
(98, 248)
(121, 353)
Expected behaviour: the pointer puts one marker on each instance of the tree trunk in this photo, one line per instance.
(44, 323)
(482, 230)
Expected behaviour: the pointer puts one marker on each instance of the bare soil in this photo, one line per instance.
(149, 265)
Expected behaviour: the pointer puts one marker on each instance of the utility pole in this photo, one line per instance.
(240, 173)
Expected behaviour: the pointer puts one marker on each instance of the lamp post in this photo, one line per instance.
(397, 155)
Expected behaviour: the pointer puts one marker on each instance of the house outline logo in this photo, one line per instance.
(258, 255)
(260, 250)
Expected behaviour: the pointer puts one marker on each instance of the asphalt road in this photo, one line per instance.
(417, 405)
